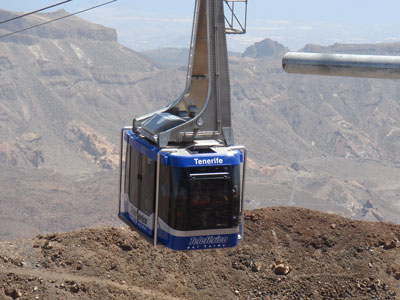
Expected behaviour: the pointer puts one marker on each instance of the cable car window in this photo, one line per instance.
(165, 191)
(205, 198)
(127, 169)
(236, 193)
(135, 177)
(179, 199)
(148, 185)
(210, 203)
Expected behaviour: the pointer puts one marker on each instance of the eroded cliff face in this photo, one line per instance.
(66, 71)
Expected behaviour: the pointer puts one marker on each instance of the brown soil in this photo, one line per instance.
(324, 256)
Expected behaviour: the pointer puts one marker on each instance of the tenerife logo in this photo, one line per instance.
(208, 240)
(209, 161)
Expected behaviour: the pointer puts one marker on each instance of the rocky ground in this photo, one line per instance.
(288, 253)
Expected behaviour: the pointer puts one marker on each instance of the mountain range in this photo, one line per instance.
(67, 88)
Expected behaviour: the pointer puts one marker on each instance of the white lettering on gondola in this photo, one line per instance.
(209, 161)
(208, 240)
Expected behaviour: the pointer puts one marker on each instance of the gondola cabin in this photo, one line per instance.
(192, 195)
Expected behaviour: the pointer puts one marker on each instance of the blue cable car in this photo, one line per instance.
(191, 195)
(181, 176)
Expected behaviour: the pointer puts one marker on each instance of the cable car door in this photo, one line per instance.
(141, 190)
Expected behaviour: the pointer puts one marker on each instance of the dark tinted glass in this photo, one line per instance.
(165, 193)
(148, 185)
(134, 177)
(127, 169)
(205, 198)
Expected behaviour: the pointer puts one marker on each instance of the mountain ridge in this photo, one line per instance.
(67, 29)
(392, 48)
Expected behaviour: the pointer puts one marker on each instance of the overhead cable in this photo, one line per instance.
(57, 19)
(35, 11)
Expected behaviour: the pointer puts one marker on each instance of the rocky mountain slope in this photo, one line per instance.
(55, 90)
(66, 89)
(368, 49)
(343, 132)
(169, 57)
(287, 253)
(265, 48)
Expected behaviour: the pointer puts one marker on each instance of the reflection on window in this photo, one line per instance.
(210, 203)
(148, 185)
(204, 198)
(134, 177)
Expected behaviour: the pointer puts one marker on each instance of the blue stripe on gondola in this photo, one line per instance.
(198, 242)
(145, 229)
(233, 158)
(141, 145)
(126, 217)
(184, 243)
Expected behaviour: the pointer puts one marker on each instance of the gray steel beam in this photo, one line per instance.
(207, 91)
(348, 65)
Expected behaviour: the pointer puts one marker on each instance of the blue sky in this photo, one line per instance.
(150, 24)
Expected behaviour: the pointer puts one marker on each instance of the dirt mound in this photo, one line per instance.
(288, 253)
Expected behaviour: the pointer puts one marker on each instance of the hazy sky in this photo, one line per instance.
(150, 24)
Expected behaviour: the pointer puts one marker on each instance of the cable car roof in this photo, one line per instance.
(187, 157)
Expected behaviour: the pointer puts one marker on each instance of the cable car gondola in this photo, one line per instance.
(181, 176)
